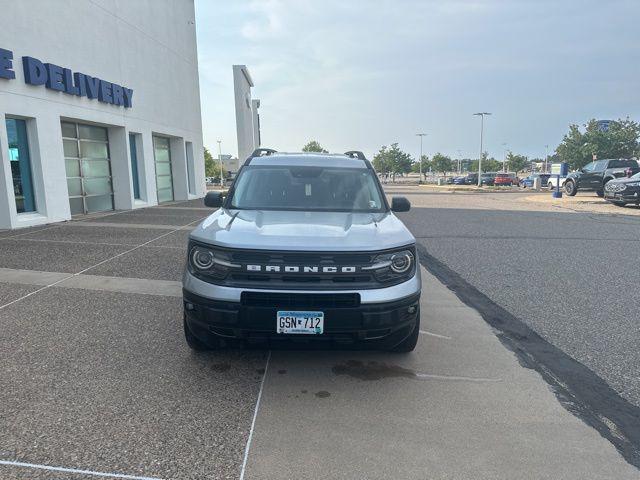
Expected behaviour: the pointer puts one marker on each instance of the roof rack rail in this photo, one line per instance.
(261, 152)
(355, 154)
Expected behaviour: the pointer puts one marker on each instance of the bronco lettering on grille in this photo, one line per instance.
(299, 269)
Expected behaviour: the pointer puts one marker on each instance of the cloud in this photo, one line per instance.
(266, 21)
(366, 73)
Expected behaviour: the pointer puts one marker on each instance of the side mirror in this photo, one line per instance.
(400, 204)
(213, 199)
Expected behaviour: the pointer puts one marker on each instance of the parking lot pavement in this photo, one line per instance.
(97, 380)
(459, 407)
(564, 274)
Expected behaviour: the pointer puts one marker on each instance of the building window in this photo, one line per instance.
(134, 166)
(20, 165)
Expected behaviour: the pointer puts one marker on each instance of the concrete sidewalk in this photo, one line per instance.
(459, 407)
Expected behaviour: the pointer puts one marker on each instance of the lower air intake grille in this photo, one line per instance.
(302, 300)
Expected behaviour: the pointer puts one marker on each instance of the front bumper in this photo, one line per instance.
(378, 326)
(627, 196)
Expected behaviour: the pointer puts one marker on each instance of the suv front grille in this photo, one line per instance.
(302, 281)
(302, 300)
(293, 270)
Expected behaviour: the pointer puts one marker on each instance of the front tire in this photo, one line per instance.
(570, 188)
(409, 343)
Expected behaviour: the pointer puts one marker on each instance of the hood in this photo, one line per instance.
(306, 231)
(624, 180)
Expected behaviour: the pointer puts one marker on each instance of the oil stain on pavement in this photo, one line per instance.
(372, 370)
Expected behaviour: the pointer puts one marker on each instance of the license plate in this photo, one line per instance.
(300, 322)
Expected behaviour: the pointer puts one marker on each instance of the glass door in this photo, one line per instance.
(164, 180)
(86, 152)
(20, 165)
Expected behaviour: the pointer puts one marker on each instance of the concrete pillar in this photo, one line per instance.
(120, 168)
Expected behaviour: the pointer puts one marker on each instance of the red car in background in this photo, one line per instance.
(503, 179)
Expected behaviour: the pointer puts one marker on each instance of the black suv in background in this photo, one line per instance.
(471, 179)
(595, 175)
(622, 191)
(488, 178)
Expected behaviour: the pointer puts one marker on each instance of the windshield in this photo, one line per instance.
(307, 188)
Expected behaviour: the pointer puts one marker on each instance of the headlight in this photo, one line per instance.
(401, 262)
(202, 259)
(210, 262)
(393, 266)
(633, 184)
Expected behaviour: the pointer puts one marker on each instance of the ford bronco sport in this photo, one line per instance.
(305, 249)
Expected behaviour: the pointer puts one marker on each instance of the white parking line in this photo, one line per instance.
(75, 470)
(424, 332)
(96, 265)
(255, 415)
(80, 242)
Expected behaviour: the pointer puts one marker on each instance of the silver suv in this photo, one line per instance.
(304, 249)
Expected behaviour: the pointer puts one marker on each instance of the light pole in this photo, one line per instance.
(459, 161)
(420, 159)
(504, 164)
(220, 161)
(481, 115)
(546, 157)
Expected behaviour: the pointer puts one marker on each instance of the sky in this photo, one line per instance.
(357, 75)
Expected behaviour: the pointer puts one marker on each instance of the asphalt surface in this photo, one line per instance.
(96, 378)
(569, 275)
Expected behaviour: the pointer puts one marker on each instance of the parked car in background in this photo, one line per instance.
(552, 183)
(527, 182)
(621, 191)
(488, 178)
(595, 175)
(460, 181)
(503, 179)
(471, 179)
(514, 178)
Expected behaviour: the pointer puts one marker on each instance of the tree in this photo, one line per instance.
(488, 164)
(313, 146)
(426, 165)
(441, 163)
(210, 164)
(619, 140)
(392, 160)
(517, 163)
(400, 160)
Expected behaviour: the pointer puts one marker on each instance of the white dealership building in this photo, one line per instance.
(99, 108)
(247, 117)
